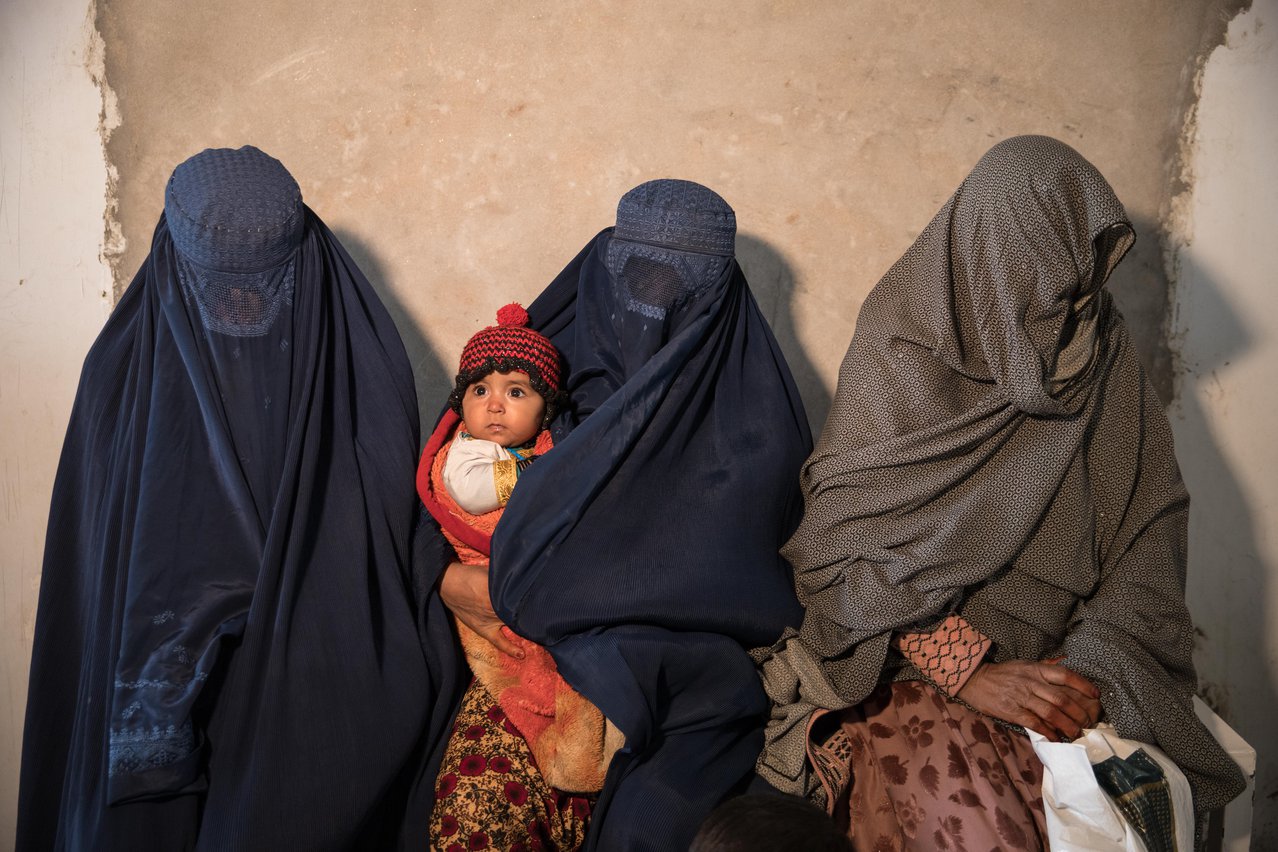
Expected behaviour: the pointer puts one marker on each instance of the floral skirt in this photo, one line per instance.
(910, 769)
(490, 793)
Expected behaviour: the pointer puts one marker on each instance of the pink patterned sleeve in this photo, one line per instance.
(948, 655)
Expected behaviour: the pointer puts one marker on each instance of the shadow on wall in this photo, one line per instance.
(433, 380)
(773, 283)
(1227, 579)
(1140, 289)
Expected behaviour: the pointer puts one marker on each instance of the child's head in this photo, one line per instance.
(774, 823)
(507, 387)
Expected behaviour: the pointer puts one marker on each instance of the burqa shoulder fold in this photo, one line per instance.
(643, 551)
(229, 650)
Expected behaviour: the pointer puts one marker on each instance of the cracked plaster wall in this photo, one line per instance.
(465, 153)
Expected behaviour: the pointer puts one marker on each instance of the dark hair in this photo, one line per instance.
(554, 399)
(775, 823)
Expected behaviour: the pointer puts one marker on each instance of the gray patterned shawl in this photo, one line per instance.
(996, 450)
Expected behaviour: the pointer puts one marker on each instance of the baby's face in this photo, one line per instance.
(503, 408)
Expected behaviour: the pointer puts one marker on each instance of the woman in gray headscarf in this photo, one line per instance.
(994, 529)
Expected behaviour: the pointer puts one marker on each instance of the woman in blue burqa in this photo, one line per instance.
(642, 550)
(228, 653)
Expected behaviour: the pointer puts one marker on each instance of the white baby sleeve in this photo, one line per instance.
(469, 474)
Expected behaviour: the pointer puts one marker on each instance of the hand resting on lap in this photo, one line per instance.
(1043, 696)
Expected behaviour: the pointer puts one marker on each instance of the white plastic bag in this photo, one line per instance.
(1080, 816)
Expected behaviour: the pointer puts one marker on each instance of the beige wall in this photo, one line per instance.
(464, 152)
(467, 151)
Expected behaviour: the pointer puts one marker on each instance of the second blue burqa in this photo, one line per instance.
(643, 551)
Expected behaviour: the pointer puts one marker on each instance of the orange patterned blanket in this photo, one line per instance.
(568, 736)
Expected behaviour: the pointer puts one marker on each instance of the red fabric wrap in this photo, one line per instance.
(564, 731)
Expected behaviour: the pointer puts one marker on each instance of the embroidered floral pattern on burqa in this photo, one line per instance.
(151, 748)
(995, 450)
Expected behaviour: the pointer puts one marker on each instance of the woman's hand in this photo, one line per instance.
(1045, 697)
(464, 589)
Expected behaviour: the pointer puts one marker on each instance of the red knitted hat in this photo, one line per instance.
(509, 345)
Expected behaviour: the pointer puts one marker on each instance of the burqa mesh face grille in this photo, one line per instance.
(239, 305)
(652, 282)
(236, 218)
(673, 241)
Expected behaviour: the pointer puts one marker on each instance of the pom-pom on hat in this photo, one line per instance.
(509, 345)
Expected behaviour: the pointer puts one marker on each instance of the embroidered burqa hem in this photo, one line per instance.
(995, 449)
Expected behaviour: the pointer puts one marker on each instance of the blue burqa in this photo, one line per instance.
(229, 650)
(642, 551)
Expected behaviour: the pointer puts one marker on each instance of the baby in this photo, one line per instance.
(506, 393)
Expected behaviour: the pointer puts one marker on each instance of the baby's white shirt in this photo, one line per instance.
(470, 473)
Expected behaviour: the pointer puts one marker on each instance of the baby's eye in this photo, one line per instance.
(516, 392)
(479, 390)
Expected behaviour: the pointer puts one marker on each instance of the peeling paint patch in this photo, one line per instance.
(1177, 221)
(1179, 227)
(113, 240)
